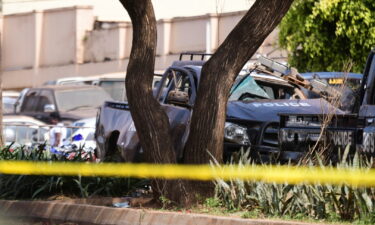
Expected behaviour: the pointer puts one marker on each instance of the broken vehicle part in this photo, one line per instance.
(355, 130)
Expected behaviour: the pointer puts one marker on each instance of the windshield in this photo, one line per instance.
(116, 89)
(69, 100)
(247, 87)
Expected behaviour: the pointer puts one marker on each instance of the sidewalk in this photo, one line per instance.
(90, 214)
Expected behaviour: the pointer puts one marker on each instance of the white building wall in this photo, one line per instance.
(19, 41)
(227, 22)
(58, 38)
(112, 10)
(188, 35)
(128, 40)
(84, 22)
(51, 44)
(105, 44)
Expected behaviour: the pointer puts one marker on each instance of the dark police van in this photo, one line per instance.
(334, 132)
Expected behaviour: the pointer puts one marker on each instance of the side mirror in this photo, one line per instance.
(49, 108)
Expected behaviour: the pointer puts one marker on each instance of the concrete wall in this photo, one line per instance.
(19, 41)
(105, 44)
(112, 10)
(58, 38)
(63, 34)
(226, 24)
(65, 42)
(188, 35)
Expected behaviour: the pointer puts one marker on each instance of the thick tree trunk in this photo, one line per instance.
(1, 88)
(149, 118)
(218, 74)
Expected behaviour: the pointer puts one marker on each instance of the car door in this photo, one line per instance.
(367, 110)
(178, 101)
(45, 106)
(29, 103)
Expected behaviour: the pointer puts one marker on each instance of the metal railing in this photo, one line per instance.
(31, 135)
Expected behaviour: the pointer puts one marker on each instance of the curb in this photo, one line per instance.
(89, 214)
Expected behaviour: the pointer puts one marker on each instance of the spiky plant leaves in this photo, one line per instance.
(318, 201)
(345, 155)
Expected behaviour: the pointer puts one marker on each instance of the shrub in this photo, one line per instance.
(316, 201)
(31, 186)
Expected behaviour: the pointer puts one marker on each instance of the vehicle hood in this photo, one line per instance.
(269, 110)
(79, 114)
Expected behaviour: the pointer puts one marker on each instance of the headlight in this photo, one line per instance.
(236, 133)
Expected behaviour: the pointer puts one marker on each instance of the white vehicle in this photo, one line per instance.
(9, 101)
(112, 83)
(11, 94)
(80, 140)
(24, 131)
(83, 134)
(66, 81)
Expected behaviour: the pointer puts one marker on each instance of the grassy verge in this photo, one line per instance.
(37, 187)
(245, 199)
(316, 202)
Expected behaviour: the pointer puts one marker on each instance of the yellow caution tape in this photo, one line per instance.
(271, 174)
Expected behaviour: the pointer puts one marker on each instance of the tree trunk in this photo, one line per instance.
(218, 75)
(150, 120)
(1, 82)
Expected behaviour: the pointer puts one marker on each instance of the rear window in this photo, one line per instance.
(116, 89)
(68, 100)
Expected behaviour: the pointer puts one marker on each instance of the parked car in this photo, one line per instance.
(356, 129)
(79, 142)
(9, 101)
(70, 102)
(83, 132)
(11, 94)
(112, 83)
(252, 114)
(353, 80)
(8, 105)
(66, 81)
(348, 83)
(24, 131)
(253, 120)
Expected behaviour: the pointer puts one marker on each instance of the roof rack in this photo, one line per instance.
(192, 54)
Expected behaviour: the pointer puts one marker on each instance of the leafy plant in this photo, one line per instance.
(212, 202)
(322, 35)
(31, 187)
(165, 201)
(315, 201)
